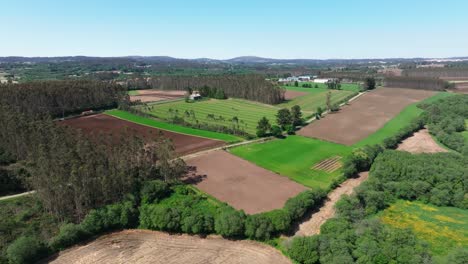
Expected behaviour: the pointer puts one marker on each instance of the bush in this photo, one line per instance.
(290, 129)
(68, 235)
(198, 223)
(26, 250)
(230, 223)
(154, 191)
(276, 131)
(115, 216)
(297, 206)
(280, 219)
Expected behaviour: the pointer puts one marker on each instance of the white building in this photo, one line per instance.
(195, 95)
(321, 80)
(304, 78)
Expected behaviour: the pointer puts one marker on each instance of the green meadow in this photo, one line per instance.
(294, 157)
(444, 228)
(171, 127)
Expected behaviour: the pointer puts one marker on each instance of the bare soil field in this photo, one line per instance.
(312, 225)
(289, 95)
(363, 116)
(183, 144)
(156, 95)
(240, 183)
(461, 87)
(420, 142)
(143, 246)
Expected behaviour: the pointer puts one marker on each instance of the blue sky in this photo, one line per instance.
(224, 29)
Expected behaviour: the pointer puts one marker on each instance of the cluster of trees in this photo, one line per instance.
(249, 86)
(422, 83)
(58, 98)
(193, 213)
(309, 85)
(446, 119)
(369, 83)
(354, 236)
(334, 84)
(286, 119)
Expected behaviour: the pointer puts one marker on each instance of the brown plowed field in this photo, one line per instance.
(420, 142)
(363, 116)
(240, 183)
(183, 144)
(144, 247)
(156, 95)
(288, 95)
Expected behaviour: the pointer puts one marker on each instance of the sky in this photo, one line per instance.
(314, 29)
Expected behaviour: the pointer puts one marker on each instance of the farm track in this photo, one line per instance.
(312, 225)
(144, 246)
(16, 195)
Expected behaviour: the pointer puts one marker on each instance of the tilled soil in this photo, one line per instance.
(312, 225)
(240, 183)
(289, 95)
(144, 246)
(420, 142)
(156, 95)
(363, 116)
(183, 144)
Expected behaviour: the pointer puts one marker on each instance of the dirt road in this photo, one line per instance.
(144, 246)
(312, 225)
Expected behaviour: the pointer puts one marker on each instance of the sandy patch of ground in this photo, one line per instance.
(420, 142)
(183, 144)
(289, 95)
(363, 116)
(156, 95)
(312, 225)
(143, 246)
(240, 183)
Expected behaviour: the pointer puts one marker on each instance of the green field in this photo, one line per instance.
(444, 228)
(133, 92)
(171, 127)
(223, 111)
(293, 157)
(398, 122)
(316, 97)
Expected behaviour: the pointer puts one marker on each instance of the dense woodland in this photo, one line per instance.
(446, 119)
(357, 237)
(422, 83)
(453, 72)
(250, 87)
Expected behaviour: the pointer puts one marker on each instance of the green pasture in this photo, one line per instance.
(398, 122)
(294, 157)
(171, 127)
(222, 112)
(316, 97)
(444, 228)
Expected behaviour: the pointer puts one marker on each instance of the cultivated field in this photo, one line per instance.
(315, 97)
(444, 228)
(152, 95)
(296, 157)
(364, 115)
(142, 246)
(184, 144)
(240, 183)
(420, 142)
(216, 112)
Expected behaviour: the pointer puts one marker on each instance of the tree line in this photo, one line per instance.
(437, 72)
(249, 86)
(422, 83)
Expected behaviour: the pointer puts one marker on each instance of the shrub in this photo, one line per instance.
(230, 223)
(119, 215)
(259, 227)
(68, 235)
(297, 206)
(198, 223)
(154, 191)
(276, 131)
(26, 249)
(280, 219)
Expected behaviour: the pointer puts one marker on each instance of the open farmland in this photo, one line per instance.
(295, 157)
(316, 97)
(216, 112)
(183, 144)
(240, 183)
(152, 95)
(444, 228)
(142, 246)
(363, 116)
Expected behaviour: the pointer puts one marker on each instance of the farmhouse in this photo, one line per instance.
(321, 80)
(304, 78)
(195, 95)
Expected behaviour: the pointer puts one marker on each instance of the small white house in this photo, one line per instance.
(304, 78)
(195, 95)
(321, 80)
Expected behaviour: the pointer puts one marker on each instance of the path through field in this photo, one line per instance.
(144, 246)
(312, 225)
